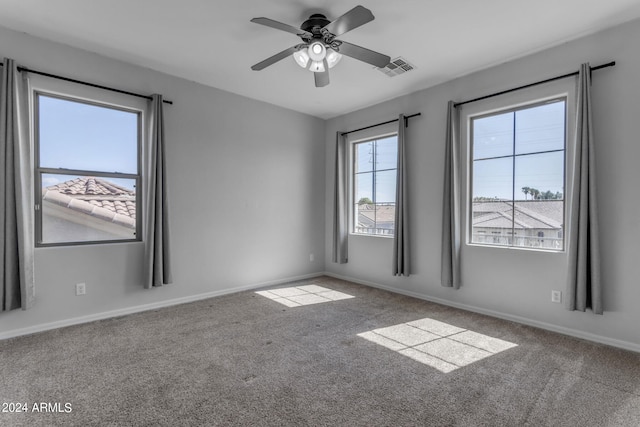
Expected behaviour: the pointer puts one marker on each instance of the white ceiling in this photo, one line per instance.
(213, 42)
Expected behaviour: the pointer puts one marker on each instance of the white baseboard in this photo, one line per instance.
(146, 307)
(161, 304)
(522, 320)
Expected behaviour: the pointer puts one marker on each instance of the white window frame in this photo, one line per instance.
(362, 137)
(504, 103)
(56, 88)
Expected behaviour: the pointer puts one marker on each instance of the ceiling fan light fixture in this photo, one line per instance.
(312, 57)
(317, 51)
(333, 57)
(302, 57)
(317, 67)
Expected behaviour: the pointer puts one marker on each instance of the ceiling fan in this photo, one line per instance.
(320, 49)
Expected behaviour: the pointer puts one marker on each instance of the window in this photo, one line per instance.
(518, 176)
(87, 171)
(374, 182)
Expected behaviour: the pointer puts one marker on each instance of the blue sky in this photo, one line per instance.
(534, 133)
(75, 135)
(385, 185)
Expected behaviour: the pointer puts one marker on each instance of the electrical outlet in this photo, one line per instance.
(311, 258)
(556, 296)
(81, 288)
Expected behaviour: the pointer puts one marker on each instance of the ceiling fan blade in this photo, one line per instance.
(275, 58)
(360, 53)
(322, 79)
(354, 18)
(280, 26)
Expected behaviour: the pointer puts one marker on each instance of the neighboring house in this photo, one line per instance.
(88, 207)
(376, 219)
(532, 223)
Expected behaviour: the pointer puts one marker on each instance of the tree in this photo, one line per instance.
(535, 193)
(541, 195)
(365, 201)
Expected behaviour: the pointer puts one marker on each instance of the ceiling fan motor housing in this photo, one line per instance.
(315, 22)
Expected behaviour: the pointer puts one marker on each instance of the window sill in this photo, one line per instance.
(81, 245)
(516, 248)
(381, 236)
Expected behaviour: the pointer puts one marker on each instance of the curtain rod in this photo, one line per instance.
(564, 76)
(67, 79)
(406, 118)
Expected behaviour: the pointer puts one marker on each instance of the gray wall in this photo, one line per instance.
(510, 283)
(246, 181)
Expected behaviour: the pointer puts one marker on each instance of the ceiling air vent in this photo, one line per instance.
(396, 67)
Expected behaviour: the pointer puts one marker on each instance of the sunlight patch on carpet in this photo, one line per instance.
(303, 295)
(437, 344)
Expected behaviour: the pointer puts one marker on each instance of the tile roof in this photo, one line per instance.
(379, 214)
(95, 197)
(530, 214)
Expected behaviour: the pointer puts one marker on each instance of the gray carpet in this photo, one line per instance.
(243, 359)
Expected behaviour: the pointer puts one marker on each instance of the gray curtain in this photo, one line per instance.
(583, 281)
(157, 243)
(450, 268)
(401, 251)
(16, 216)
(340, 220)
